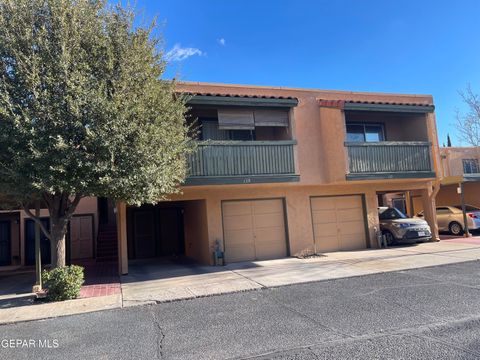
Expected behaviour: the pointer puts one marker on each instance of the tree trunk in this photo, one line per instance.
(61, 208)
(57, 241)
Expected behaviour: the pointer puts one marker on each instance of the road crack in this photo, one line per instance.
(160, 335)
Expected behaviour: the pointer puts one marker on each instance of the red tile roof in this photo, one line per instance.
(239, 96)
(339, 104)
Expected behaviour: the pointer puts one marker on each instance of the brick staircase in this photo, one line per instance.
(107, 243)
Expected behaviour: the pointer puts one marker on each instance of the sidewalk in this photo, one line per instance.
(155, 282)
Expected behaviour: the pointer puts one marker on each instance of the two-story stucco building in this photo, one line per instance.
(460, 166)
(283, 172)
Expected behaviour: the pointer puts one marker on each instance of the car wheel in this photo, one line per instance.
(455, 228)
(389, 238)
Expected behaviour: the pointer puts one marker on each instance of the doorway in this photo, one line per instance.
(5, 243)
(156, 231)
(30, 242)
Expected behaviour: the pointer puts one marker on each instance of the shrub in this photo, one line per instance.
(63, 283)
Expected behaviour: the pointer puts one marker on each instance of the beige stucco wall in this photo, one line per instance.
(448, 194)
(196, 231)
(452, 170)
(451, 158)
(298, 214)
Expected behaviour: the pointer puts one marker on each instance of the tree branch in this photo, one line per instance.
(37, 220)
(72, 205)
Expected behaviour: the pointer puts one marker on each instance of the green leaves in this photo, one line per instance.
(63, 283)
(83, 109)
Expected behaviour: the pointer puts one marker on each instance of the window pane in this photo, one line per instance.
(244, 135)
(470, 166)
(355, 133)
(373, 133)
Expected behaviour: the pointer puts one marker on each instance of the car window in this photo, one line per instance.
(392, 214)
(467, 208)
(443, 210)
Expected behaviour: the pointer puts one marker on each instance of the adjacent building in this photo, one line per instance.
(461, 168)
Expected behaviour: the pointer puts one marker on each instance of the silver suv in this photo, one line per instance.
(398, 228)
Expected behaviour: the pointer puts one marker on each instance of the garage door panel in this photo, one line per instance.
(268, 220)
(269, 251)
(348, 215)
(239, 253)
(254, 230)
(352, 242)
(329, 229)
(342, 226)
(267, 206)
(236, 237)
(234, 208)
(324, 217)
(238, 222)
(328, 243)
(322, 204)
(353, 227)
(348, 202)
(270, 235)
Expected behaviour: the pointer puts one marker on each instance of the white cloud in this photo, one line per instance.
(221, 41)
(179, 53)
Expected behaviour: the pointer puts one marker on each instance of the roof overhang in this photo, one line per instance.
(451, 180)
(362, 106)
(244, 101)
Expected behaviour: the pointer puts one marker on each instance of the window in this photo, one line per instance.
(365, 133)
(467, 208)
(241, 134)
(391, 214)
(211, 131)
(443, 210)
(470, 166)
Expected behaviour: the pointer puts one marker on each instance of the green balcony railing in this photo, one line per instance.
(389, 159)
(242, 159)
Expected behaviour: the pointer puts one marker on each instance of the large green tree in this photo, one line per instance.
(83, 110)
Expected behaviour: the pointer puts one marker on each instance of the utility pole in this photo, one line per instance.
(466, 232)
(38, 253)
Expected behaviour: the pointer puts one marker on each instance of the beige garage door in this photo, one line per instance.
(338, 223)
(254, 230)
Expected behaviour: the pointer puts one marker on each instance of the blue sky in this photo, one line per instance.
(405, 46)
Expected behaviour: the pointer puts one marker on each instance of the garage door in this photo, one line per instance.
(338, 223)
(254, 230)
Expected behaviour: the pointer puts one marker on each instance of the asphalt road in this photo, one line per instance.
(431, 313)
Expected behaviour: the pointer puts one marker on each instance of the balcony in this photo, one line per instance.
(242, 162)
(389, 160)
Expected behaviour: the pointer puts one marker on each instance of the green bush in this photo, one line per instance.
(63, 283)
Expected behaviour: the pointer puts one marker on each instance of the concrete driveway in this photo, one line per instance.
(157, 281)
(16, 288)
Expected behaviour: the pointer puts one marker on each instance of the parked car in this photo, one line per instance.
(450, 218)
(398, 228)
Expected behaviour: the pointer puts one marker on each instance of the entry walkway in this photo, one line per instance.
(152, 282)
